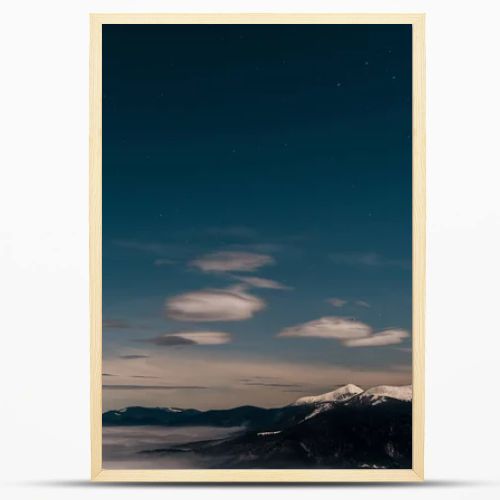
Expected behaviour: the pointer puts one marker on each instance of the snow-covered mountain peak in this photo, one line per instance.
(381, 392)
(341, 394)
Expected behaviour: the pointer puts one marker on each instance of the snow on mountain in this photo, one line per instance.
(380, 393)
(338, 395)
(271, 433)
(401, 392)
(353, 393)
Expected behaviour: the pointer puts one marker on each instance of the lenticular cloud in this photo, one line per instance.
(232, 261)
(386, 337)
(349, 332)
(213, 305)
(191, 338)
(329, 327)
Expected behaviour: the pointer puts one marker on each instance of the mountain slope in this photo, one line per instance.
(345, 428)
(138, 415)
(250, 417)
(345, 436)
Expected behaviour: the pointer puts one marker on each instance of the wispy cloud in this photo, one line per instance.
(129, 387)
(191, 338)
(362, 303)
(232, 261)
(386, 337)
(351, 333)
(366, 259)
(144, 246)
(256, 282)
(213, 305)
(131, 376)
(336, 302)
(222, 371)
(270, 384)
(257, 378)
(134, 356)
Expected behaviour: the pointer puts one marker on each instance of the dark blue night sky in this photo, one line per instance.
(279, 152)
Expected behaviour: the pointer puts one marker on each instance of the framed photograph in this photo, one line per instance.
(257, 247)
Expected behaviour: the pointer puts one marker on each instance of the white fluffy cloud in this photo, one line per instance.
(256, 282)
(386, 337)
(329, 327)
(191, 338)
(232, 261)
(213, 305)
(349, 332)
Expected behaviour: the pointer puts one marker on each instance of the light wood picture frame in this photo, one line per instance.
(416, 472)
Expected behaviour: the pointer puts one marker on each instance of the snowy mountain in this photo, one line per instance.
(338, 395)
(335, 435)
(265, 419)
(345, 428)
(382, 393)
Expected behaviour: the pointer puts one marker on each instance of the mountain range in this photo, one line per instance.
(346, 428)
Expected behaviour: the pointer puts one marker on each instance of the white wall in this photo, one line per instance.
(44, 446)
